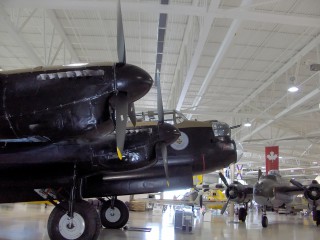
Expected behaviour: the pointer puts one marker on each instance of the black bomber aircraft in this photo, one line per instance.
(64, 138)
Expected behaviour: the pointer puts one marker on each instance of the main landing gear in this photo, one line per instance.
(242, 214)
(264, 218)
(316, 215)
(75, 219)
(113, 213)
(85, 223)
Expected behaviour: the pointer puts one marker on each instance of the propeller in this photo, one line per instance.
(163, 145)
(121, 121)
(223, 209)
(297, 184)
(121, 46)
(132, 114)
(122, 107)
(159, 99)
(311, 192)
(224, 180)
(164, 154)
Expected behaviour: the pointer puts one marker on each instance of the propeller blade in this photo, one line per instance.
(225, 206)
(259, 174)
(297, 184)
(159, 99)
(121, 46)
(224, 180)
(164, 154)
(132, 114)
(121, 121)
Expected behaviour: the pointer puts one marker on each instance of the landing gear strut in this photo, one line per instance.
(75, 219)
(264, 219)
(316, 215)
(113, 213)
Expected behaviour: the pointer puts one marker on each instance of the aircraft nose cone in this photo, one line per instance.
(133, 80)
(168, 133)
(257, 190)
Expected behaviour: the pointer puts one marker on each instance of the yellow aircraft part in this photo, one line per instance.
(214, 206)
(217, 198)
(40, 202)
(197, 180)
(216, 195)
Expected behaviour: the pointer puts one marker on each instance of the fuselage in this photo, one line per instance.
(197, 150)
(264, 194)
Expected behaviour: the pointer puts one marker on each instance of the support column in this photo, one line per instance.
(231, 205)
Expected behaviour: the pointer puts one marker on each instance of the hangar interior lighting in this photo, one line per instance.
(247, 123)
(292, 88)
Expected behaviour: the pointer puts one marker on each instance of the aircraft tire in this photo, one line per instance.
(264, 221)
(318, 217)
(242, 214)
(87, 223)
(114, 218)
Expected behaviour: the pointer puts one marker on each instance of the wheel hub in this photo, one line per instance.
(71, 228)
(113, 215)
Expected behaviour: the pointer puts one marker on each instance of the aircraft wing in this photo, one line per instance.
(291, 190)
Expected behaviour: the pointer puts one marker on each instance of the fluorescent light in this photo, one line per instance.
(247, 124)
(293, 89)
(75, 64)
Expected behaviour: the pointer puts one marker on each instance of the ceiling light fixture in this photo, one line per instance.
(247, 124)
(292, 87)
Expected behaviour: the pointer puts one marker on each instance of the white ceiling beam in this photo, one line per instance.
(14, 33)
(154, 8)
(183, 52)
(302, 113)
(246, 15)
(282, 113)
(57, 25)
(203, 35)
(177, 9)
(314, 43)
(234, 28)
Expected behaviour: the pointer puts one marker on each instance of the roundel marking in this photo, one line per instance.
(181, 143)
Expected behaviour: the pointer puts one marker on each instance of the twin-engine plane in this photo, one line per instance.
(64, 138)
(272, 191)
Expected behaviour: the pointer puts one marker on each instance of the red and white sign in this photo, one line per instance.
(272, 158)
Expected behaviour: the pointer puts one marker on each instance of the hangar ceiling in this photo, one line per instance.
(229, 60)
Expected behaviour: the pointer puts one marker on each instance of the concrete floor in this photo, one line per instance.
(28, 222)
